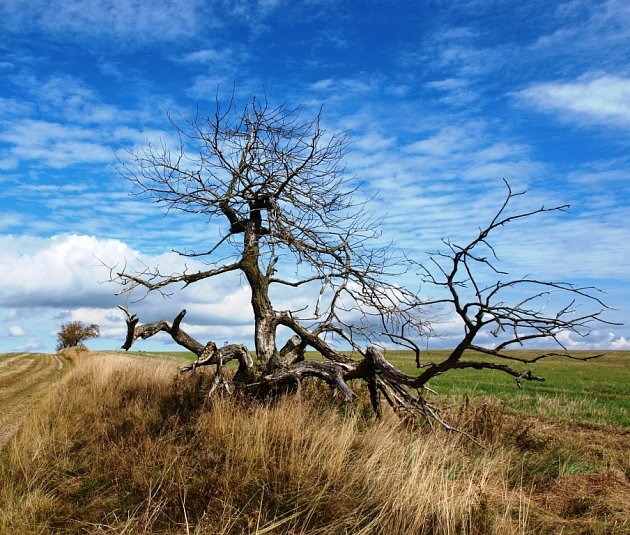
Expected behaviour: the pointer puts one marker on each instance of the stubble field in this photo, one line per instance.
(24, 379)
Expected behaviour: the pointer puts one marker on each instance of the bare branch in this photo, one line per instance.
(279, 182)
(135, 331)
(132, 281)
(489, 309)
(328, 372)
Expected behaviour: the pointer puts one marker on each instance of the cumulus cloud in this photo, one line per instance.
(215, 307)
(603, 99)
(618, 342)
(49, 281)
(110, 320)
(70, 271)
(32, 345)
(58, 272)
(597, 339)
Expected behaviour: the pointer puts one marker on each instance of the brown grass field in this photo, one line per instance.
(121, 444)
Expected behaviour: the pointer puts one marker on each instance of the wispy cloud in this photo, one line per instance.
(10, 107)
(129, 21)
(429, 107)
(54, 144)
(588, 32)
(600, 99)
(61, 122)
(454, 91)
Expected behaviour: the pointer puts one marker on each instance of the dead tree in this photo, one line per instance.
(291, 218)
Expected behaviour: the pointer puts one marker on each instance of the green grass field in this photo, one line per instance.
(595, 391)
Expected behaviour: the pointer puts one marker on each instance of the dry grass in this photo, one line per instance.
(123, 447)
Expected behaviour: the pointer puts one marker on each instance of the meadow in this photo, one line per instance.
(122, 444)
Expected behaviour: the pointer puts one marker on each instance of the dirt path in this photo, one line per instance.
(24, 379)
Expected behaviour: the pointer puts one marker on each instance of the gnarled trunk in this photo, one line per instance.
(265, 323)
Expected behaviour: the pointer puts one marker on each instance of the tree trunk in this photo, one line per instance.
(265, 340)
(264, 315)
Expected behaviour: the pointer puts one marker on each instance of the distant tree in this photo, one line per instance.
(74, 333)
(291, 219)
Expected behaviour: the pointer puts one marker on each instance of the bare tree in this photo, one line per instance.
(291, 218)
(288, 208)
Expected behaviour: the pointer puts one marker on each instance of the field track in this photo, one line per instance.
(24, 379)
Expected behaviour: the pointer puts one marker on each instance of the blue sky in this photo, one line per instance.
(442, 100)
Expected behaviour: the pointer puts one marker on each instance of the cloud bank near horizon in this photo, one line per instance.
(67, 277)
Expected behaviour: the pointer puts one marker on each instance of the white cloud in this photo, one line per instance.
(596, 340)
(449, 140)
(111, 321)
(10, 219)
(454, 91)
(600, 99)
(361, 85)
(210, 307)
(10, 108)
(373, 141)
(16, 330)
(59, 272)
(619, 343)
(47, 281)
(145, 136)
(596, 32)
(8, 162)
(457, 52)
(32, 345)
(206, 55)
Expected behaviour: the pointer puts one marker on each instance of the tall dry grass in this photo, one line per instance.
(122, 446)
